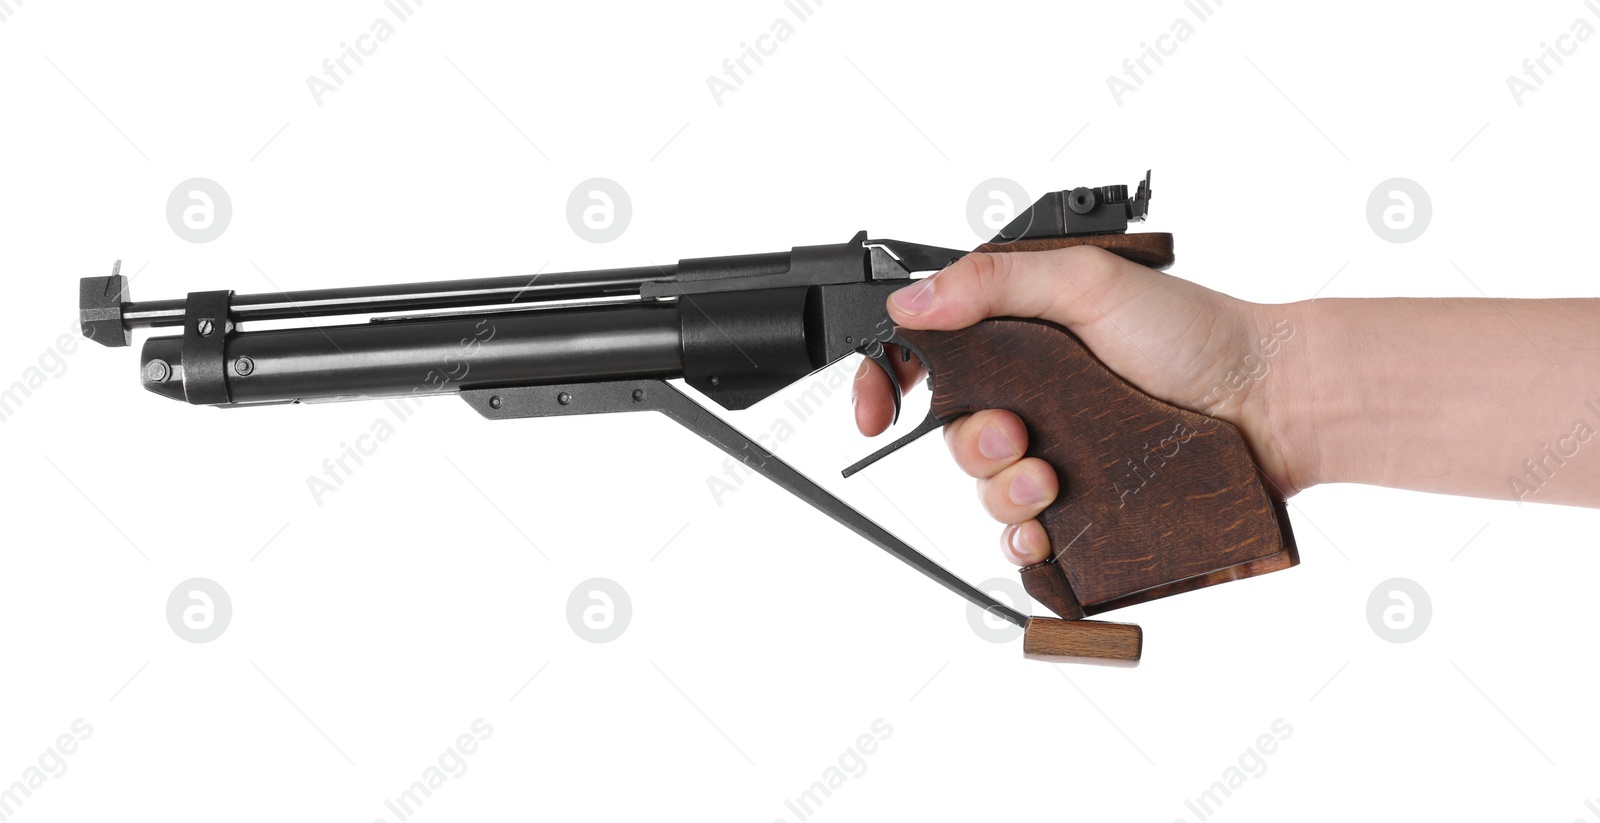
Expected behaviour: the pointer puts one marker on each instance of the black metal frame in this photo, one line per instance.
(660, 396)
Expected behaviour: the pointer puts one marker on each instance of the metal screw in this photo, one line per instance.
(638, 395)
(205, 327)
(1080, 200)
(157, 371)
(563, 398)
(244, 366)
(494, 402)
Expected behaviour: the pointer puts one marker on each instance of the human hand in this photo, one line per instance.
(1175, 340)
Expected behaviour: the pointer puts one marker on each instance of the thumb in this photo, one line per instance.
(1066, 286)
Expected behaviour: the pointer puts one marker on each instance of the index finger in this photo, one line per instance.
(870, 393)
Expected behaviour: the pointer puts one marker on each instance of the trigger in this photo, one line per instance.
(928, 424)
(883, 361)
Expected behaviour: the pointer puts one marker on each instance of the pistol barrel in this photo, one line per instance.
(434, 355)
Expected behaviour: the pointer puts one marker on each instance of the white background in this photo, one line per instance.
(370, 631)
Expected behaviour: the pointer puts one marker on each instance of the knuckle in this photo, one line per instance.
(991, 493)
(1016, 431)
(955, 440)
(1040, 469)
(967, 443)
(981, 485)
(982, 265)
(952, 434)
(1089, 265)
(1089, 259)
(971, 462)
(984, 281)
(990, 271)
(1076, 274)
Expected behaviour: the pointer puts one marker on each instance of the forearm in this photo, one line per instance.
(1487, 398)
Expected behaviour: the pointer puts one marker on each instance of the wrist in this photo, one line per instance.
(1288, 405)
(1313, 408)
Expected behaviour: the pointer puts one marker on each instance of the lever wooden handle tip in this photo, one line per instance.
(1082, 641)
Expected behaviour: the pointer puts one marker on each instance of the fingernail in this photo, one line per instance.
(994, 445)
(1009, 547)
(1031, 545)
(916, 298)
(1026, 490)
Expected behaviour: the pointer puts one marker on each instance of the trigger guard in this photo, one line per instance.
(928, 424)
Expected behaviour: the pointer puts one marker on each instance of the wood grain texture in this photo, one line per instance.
(1082, 641)
(1155, 499)
(1045, 583)
(1153, 249)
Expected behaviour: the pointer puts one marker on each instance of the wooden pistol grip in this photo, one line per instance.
(1155, 499)
(1153, 249)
